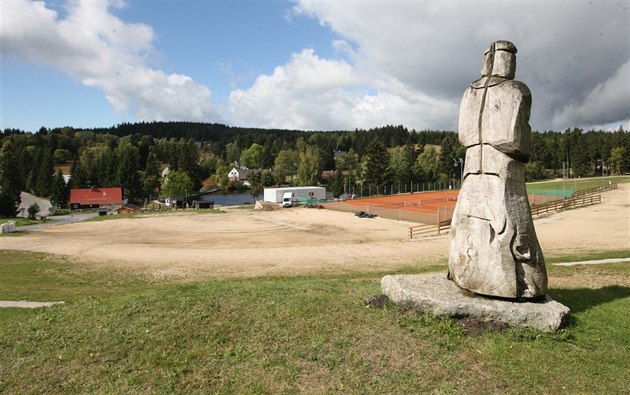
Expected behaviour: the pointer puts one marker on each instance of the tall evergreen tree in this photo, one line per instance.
(78, 177)
(448, 155)
(25, 164)
(9, 181)
(152, 168)
(59, 192)
(127, 174)
(579, 153)
(268, 154)
(45, 172)
(188, 161)
(375, 164)
(31, 180)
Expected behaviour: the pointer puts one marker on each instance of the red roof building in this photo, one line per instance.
(95, 197)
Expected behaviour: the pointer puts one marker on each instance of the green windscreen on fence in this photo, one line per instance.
(539, 190)
(311, 201)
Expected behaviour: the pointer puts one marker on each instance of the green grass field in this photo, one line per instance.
(21, 221)
(567, 187)
(121, 332)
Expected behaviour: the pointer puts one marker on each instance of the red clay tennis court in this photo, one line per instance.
(426, 207)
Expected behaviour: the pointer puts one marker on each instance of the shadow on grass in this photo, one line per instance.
(582, 299)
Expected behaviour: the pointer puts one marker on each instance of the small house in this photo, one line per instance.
(199, 204)
(96, 198)
(242, 174)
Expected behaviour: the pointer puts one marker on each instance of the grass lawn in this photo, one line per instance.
(123, 333)
(571, 185)
(21, 221)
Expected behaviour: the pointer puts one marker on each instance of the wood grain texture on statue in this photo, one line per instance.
(494, 249)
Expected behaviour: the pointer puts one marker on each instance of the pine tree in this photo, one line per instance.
(44, 173)
(79, 178)
(188, 161)
(127, 172)
(10, 182)
(31, 180)
(375, 165)
(448, 155)
(59, 193)
(580, 160)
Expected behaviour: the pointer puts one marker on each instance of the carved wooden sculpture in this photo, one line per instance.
(494, 249)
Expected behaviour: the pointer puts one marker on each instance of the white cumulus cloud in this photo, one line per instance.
(100, 50)
(409, 62)
(307, 93)
(314, 93)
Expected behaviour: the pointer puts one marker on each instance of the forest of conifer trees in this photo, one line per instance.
(200, 155)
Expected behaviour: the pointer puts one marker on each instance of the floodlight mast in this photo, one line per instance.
(460, 162)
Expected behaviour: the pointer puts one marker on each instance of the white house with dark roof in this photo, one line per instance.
(239, 174)
(242, 174)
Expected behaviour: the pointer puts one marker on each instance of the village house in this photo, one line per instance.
(102, 198)
(242, 174)
(238, 173)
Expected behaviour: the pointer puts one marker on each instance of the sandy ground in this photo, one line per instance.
(287, 242)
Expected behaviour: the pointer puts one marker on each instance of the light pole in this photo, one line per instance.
(460, 162)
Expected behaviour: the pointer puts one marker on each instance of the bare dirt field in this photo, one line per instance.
(297, 241)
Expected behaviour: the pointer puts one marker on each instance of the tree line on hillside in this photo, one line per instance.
(200, 156)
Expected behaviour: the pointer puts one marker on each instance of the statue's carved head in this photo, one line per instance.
(500, 60)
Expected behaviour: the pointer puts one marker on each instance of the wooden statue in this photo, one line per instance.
(494, 250)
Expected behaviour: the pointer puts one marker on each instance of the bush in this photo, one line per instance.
(33, 210)
(535, 171)
(59, 211)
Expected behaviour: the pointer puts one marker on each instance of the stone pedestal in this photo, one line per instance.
(436, 294)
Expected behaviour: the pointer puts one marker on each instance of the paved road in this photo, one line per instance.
(57, 220)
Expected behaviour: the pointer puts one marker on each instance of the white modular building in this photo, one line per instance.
(299, 194)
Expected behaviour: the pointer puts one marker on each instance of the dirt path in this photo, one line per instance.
(297, 241)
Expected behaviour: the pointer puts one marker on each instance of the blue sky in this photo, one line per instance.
(335, 65)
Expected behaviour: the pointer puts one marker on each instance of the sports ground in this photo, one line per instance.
(432, 207)
(427, 207)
